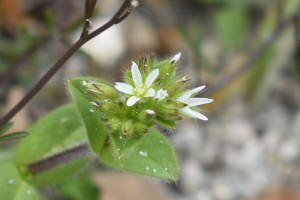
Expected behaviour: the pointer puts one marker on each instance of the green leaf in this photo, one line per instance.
(13, 187)
(14, 135)
(121, 146)
(54, 133)
(154, 156)
(90, 115)
(5, 127)
(79, 187)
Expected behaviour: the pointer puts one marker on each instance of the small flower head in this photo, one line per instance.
(152, 93)
(190, 102)
(141, 89)
(161, 94)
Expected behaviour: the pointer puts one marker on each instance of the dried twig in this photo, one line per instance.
(120, 15)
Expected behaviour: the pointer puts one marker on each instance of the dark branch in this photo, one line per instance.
(40, 84)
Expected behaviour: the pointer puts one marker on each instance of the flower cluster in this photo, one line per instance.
(151, 93)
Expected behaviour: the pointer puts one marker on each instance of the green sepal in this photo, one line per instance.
(164, 121)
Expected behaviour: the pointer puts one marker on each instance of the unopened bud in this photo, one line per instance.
(167, 108)
(127, 128)
(176, 86)
(146, 115)
(102, 90)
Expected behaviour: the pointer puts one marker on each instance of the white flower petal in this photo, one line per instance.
(197, 89)
(199, 116)
(150, 93)
(151, 78)
(190, 113)
(136, 75)
(186, 111)
(175, 58)
(185, 97)
(161, 94)
(124, 87)
(132, 100)
(199, 101)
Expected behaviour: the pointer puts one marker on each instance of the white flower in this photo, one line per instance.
(191, 102)
(175, 58)
(141, 88)
(161, 94)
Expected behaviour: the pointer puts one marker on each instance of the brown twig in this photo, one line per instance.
(125, 8)
(281, 27)
(59, 159)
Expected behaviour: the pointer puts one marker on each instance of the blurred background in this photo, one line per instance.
(246, 52)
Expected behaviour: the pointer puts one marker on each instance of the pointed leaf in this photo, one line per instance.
(53, 134)
(154, 156)
(14, 135)
(122, 146)
(13, 187)
(90, 115)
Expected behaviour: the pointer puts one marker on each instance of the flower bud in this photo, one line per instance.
(102, 90)
(127, 128)
(140, 128)
(167, 108)
(165, 67)
(146, 115)
(176, 85)
(109, 108)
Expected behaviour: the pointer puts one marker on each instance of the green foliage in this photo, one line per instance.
(52, 134)
(147, 153)
(231, 25)
(13, 187)
(291, 6)
(91, 117)
(14, 135)
(152, 156)
(79, 187)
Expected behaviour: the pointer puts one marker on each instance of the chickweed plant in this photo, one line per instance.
(115, 122)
